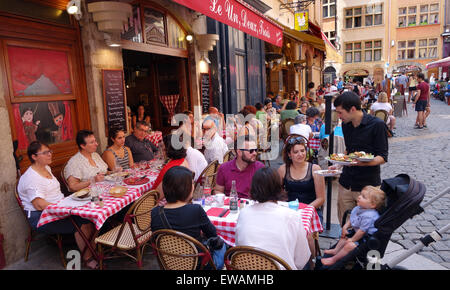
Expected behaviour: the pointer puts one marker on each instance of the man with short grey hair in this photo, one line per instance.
(141, 148)
(301, 128)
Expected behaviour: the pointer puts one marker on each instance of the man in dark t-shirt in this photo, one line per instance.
(141, 148)
(422, 100)
(362, 132)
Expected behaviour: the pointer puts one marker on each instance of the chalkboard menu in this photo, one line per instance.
(205, 86)
(114, 99)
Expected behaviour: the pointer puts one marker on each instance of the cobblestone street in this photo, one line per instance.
(424, 155)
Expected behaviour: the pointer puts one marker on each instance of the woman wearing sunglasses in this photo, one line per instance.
(297, 175)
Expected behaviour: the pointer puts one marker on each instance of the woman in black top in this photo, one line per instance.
(181, 215)
(298, 176)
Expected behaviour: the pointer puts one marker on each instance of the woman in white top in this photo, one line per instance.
(86, 164)
(38, 188)
(382, 104)
(272, 227)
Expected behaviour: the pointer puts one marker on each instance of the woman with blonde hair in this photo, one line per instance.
(383, 104)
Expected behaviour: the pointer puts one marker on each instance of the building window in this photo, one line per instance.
(429, 14)
(331, 35)
(401, 50)
(329, 8)
(372, 15)
(428, 48)
(402, 17)
(353, 52)
(372, 50)
(412, 15)
(237, 37)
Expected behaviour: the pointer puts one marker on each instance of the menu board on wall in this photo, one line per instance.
(205, 86)
(114, 99)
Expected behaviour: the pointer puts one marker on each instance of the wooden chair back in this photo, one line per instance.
(178, 251)
(382, 114)
(251, 258)
(210, 172)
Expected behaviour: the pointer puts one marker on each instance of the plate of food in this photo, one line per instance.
(328, 172)
(340, 159)
(362, 156)
(112, 177)
(81, 195)
(118, 191)
(136, 180)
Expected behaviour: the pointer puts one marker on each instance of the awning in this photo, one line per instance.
(240, 15)
(305, 37)
(438, 63)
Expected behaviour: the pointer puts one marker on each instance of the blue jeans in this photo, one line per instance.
(219, 257)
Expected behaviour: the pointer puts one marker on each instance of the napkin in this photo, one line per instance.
(216, 211)
(69, 202)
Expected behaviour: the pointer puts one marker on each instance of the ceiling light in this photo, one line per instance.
(74, 8)
(189, 37)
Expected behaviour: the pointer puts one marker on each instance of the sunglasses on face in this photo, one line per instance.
(249, 150)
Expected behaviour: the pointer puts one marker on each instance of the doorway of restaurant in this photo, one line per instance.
(159, 83)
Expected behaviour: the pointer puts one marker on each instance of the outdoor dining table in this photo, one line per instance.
(67, 207)
(226, 226)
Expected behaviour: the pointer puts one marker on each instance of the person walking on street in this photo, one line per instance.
(362, 132)
(422, 100)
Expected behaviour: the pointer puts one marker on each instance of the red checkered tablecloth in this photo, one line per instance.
(314, 143)
(98, 215)
(155, 137)
(225, 227)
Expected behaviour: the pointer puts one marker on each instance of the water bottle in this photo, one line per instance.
(207, 191)
(233, 197)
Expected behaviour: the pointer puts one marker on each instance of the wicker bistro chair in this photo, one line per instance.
(32, 233)
(211, 172)
(382, 114)
(64, 180)
(251, 258)
(285, 127)
(230, 155)
(178, 251)
(132, 234)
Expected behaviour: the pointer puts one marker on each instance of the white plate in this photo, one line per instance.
(74, 197)
(339, 162)
(365, 159)
(328, 172)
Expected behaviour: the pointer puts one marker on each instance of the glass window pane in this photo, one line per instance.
(368, 44)
(411, 53)
(325, 11)
(378, 19)
(369, 9)
(434, 7)
(423, 8)
(402, 21)
(377, 43)
(333, 10)
(422, 42)
(402, 44)
(358, 21)
(348, 57)
(369, 20)
(411, 43)
(348, 46)
(348, 12)
(434, 18)
(377, 54)
(412, 20)
(424, 19)
(432, 52)
(358, 11)
(379, 8)
(422, 52)
(412, 10)
(348, 22)
(357, 56)
(357, 45)
(402, 11)
(325, 1)
(433, 41)
(401, 54)
(133, 28)
(368, 55)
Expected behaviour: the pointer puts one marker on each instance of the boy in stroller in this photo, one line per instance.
(361, 222)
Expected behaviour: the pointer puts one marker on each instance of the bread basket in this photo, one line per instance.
(118, 191)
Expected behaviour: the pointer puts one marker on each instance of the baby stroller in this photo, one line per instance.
(404, 195)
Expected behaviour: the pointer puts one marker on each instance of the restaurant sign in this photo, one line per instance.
(301, 21)
(240, 15)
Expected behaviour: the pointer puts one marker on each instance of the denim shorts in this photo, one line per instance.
(421, 105)
(63, 226)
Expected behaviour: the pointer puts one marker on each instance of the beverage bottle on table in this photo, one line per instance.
(233, 197)
(207, 191)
